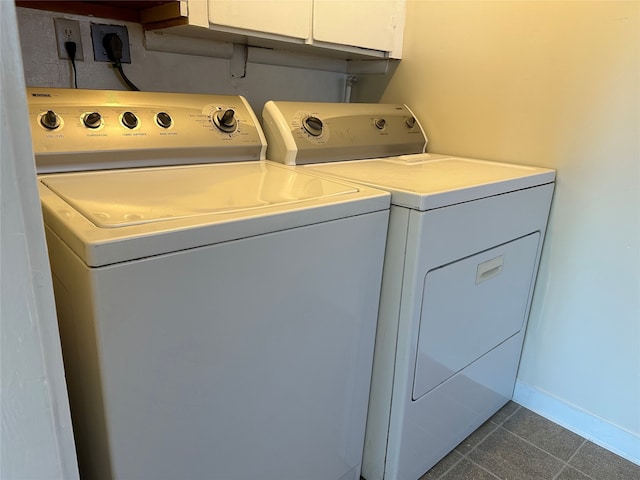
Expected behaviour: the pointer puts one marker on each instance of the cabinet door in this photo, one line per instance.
(371, 24)
(291, 18)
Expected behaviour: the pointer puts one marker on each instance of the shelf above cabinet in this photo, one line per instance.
(126, 11)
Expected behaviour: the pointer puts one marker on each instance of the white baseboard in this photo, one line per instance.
(595, 429)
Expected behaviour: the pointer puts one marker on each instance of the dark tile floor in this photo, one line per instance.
(517, 444)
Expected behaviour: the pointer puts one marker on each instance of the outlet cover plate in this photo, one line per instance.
(98, 31)
(68, 31)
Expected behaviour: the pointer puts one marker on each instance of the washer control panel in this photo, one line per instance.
(309, 132)
(101, 129)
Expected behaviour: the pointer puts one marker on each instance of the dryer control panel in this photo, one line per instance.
(103, 129)
(300, 133)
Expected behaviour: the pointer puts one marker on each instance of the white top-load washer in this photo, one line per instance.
(217, 312)
(462, 253)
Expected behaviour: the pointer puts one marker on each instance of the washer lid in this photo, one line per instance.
(113, 199)
(426, 181)
(144, 212)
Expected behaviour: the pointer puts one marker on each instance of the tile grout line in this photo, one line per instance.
(565, 463)
(451, 467)
(524, 440)
(568, 465)
(577, 450)
(520, 407)
(484, 468)
(511, 415)
(465, 455)
(528, 442)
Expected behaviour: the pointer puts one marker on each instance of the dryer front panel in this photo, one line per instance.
(471, 306)
(452, 255)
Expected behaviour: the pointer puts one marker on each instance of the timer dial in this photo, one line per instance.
(313, 126)
(225, 120)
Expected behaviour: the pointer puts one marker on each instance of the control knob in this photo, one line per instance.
(92, 120)
(410, 122)
(380, 123)
(163, 119)
(129, 120)
(50, 120)
(225, 120)
(313, 126)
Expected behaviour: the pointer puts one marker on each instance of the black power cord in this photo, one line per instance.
(113, 46)
(71, 49)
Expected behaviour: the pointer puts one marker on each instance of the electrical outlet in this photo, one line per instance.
(68, 31)
(98, 31)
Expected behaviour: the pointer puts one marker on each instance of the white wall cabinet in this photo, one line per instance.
(344, 28)
(372, 24)
(289, 18)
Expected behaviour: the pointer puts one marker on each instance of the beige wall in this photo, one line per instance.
(556, 84)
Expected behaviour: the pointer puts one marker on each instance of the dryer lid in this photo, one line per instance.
(426, 181)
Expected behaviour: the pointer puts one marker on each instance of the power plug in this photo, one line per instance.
(98, 34)
(68, 31)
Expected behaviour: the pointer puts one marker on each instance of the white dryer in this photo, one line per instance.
(463, 248)
(217, 311)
